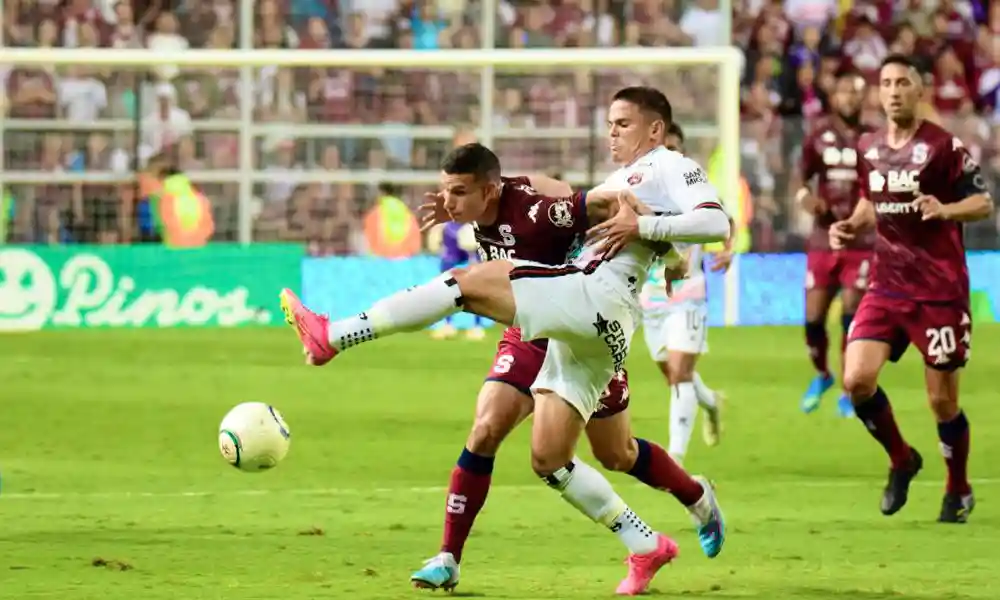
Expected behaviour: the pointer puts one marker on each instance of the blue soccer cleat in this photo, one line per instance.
(708, 520)
(814, 395)
(845, 408)
(440, 572)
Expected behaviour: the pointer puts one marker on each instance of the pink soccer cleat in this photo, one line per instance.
(311, 327)
(642, 568)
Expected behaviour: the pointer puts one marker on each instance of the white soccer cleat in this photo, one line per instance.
(711, 425)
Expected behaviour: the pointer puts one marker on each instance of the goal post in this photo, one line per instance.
(718, 70)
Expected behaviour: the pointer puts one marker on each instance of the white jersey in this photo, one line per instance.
(692, 290)
(667, 182)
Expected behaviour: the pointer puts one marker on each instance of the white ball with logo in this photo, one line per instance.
(253, 437)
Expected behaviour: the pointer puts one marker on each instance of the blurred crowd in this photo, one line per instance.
(312, 121)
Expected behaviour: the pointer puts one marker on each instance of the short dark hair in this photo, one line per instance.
(675, 130)
(388, 189)
(899, 59)
(648, 99)
(472, 159)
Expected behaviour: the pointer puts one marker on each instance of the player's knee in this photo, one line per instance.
(486, 436)
(546, 463)
(944, 407)
(618, 459)
(860, 384)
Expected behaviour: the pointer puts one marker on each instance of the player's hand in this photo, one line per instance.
(432, 212)
(813, 204)
(930, 207)
(841, 232)
(722, 260)
(618, 231)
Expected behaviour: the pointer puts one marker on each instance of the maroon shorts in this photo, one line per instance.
(838, 269)
(517, 364)
(942, 331)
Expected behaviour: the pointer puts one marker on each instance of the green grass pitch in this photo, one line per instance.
(113, 487)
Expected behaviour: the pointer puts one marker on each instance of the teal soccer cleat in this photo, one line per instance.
(708, 520)
(814, 394)
(440, 572)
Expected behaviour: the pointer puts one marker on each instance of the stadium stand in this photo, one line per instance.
(64, 120)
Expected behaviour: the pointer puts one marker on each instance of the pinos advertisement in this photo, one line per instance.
(144, 286)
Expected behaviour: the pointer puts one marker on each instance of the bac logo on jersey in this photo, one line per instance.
(695, 177)
(634, 178)
(897, 182)
(561, 213)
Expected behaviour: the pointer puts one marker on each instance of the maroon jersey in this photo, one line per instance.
(530, 226)
(917, 259)
(830, 155)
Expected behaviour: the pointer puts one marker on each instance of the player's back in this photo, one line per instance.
(914, 258)
(830, 155)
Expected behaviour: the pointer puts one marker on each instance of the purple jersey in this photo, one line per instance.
(451, 253)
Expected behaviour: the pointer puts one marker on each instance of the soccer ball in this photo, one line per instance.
(253, 437)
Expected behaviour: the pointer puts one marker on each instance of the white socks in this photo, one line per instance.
(706, 396)
(683, 412)
(585, 488)
(410, 310)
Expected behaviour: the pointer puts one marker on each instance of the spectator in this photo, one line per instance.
(168, 123)
(792, 49)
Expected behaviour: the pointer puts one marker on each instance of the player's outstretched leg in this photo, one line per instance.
(953, 433)
(617, 450)
(556, 427)
(499, 409)
(863, 361)
(818, 301)
(482, 289)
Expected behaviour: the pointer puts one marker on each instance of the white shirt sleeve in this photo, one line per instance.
(694, 213)
(685, 185)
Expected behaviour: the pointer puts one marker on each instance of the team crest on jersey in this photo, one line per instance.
(561, 213)
(635, 178)
(919, 154)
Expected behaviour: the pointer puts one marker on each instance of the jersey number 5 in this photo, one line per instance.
(503, 364)
(941, 343)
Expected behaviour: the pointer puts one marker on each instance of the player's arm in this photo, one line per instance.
(806, 172)
(966, 178)
(972, 208)
(863, 217)
(550, 186)
(702, 219)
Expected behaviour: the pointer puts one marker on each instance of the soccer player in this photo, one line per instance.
(588, 311)
(830, 158)
(534, 219)
(920, 184)
(675, 331)
(456, 248)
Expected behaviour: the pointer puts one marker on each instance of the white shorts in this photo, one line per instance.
(683, 329)
(588, 322)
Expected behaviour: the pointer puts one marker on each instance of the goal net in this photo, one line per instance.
(296, 145)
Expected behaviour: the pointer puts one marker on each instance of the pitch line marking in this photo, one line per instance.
(118, 495)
